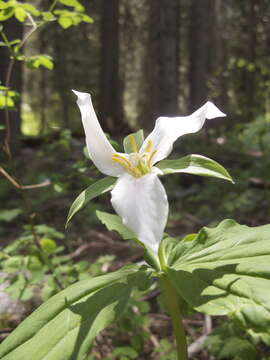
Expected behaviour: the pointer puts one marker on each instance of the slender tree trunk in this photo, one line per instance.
(198, 52)
(13, 30)
(251, 56)
(217, 52)
(160, 78)
(168, 26)
(110, 95)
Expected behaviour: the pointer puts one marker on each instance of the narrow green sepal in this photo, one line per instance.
(94, 190)
(151, 259)
(165, 248)
(195, 165)
(139, 139)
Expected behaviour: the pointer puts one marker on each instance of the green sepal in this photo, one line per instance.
(114, 222)
(100, 187)
(139, 139)
(151, 259)
(165, 248)
(195, 165)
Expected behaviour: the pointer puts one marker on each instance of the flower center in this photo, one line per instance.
(136, 164)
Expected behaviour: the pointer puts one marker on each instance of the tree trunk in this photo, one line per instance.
(13, 30)
(198, 52)
(160, 78)
(110, 95)
(168, 27)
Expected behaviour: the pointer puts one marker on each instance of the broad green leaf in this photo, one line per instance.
(9, 215)
(3, 4)
(65, 21)
(46, 61)
(40, 60)
(225, 270)
(65, 326)
(126, 351)
(73, 3)
(196, 165)
(94, 190)
(114, 222)
(6, 13)
(6, 101)
(136, 138)
(87, 19)
(48, 245)
(47, 16)
(31, 9)
(20, 14)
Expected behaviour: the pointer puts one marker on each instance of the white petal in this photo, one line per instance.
(99, 148)
(143, 206)
(168, 129)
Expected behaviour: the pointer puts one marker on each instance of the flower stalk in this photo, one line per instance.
(172, 305)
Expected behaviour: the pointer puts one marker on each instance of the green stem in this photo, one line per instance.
(53, 6)
(177, 322)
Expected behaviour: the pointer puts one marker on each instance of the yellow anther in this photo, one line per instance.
(151, 157)
(133, 143)
(149, 146)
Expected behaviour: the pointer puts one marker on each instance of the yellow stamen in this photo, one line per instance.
(149, 146)
(122, 160)
(151, 157)
(133, 143)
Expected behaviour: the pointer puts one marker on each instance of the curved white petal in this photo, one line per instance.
(99, 148)
(168, 129)
(143, 206)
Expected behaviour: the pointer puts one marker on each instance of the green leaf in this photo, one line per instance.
(6, 102)
(46, 61)
(127, 351)
(114, 222)
(65, 326)
(31, 9)
(196, 165)
(6, 13)
(94, 190)
(73, 3)
(87, 19)
(139, 139)
(9, 215)
(20, 14)
(48, 245)
(47, 16)
(225, 270)
(65, 21)
(3, 4)
(36, 61)
(238, 349)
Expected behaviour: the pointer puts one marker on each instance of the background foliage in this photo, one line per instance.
(139, 59)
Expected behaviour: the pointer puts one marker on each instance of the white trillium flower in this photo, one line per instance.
(138, 196)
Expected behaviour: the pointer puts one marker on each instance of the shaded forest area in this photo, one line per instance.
(139, 60)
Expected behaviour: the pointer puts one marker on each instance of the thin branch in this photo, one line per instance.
(53, 6)
(198, 344)
(22, 187)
